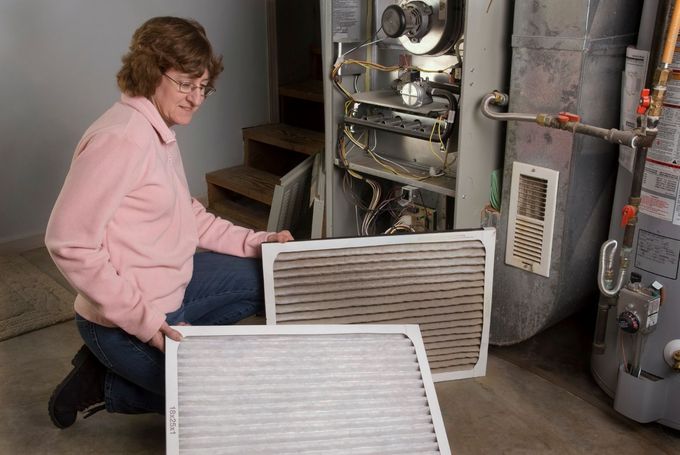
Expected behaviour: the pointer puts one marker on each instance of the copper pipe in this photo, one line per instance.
(663, 16)
(662, 72)
(671, 37)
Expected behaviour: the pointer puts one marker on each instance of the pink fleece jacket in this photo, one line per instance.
(125, 228)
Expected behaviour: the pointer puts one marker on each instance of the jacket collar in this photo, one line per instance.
(149, 111)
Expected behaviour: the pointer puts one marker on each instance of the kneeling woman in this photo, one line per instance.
(124, 231)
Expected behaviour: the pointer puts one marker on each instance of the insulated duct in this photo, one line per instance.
(566, 56)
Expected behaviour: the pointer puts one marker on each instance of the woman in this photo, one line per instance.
(124, 231)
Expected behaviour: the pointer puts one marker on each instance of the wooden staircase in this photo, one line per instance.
(243, 194)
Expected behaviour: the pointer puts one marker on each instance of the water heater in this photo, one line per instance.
(636, 352)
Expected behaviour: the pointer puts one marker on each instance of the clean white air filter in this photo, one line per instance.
(441, 281)
(301, 390)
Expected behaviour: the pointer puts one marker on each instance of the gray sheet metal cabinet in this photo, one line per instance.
(463, 191)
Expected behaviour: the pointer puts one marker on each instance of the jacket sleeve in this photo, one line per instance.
(222, 236)
(101, 175)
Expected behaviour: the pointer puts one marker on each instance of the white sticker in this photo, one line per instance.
(651, 319)
(657, 206)
(346, 16)
(665, 148)
(653, 307)
(672, 95)
(657, 254)
(660, 179)
(660, 197)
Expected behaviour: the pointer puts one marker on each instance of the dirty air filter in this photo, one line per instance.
(301, 389)
(441, 281)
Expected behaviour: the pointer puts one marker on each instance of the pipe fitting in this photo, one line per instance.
(605, 275)
(500, 99)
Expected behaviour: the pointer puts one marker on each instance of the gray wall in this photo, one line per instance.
(58, 62)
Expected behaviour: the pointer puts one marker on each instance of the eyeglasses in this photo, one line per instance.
(188, 87)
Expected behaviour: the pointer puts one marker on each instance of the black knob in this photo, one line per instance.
(628, 322)
(635, 277)
(393, 21)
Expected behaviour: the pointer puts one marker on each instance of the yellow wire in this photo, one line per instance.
(343, 153)
(377, 159)
(376, 66)
(437, 126)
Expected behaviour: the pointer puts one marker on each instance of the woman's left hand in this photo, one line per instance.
(281, 237)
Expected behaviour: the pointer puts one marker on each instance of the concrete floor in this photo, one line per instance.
(537, 397)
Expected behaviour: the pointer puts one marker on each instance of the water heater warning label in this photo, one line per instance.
(660, 194)
(657, 254)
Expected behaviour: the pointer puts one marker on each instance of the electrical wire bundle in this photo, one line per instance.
(375, 206)
(386, 163)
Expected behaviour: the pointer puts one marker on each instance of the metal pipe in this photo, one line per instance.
(662, 73)
(394, 121)
(638, 172)
(501, 99)
(663, 15)
(611, 135)
(629, 138)
(412, 125)
(453, 88)
(671, 37)
(605, 272)
(637, 355)
(453, 107)
(599, 339)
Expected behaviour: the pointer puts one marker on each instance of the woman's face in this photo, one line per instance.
(176, 107)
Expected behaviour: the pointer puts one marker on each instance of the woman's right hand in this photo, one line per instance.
(158, 339)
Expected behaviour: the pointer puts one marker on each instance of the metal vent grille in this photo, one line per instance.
(533, 196)
(301, 390)
(440, 281)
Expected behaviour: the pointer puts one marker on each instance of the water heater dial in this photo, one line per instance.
(629, 322)
(638, 308)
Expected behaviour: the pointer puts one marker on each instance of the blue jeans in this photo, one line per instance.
(223, 290)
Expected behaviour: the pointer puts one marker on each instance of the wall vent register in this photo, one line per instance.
(441, 281)
(301, 390)
(531, 219)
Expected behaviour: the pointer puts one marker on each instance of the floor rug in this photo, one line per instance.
(29, 298)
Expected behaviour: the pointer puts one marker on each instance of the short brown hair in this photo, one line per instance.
(161, 44)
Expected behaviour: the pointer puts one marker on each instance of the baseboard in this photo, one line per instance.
(22, 244)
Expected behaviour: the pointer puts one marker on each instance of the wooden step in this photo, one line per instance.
(251, 215)
(248, 181)
(287, 137)
(310, 90)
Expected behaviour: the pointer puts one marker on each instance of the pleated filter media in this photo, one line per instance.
(441, 281)
(361, 389)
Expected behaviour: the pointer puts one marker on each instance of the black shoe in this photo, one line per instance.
(81, 390)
